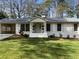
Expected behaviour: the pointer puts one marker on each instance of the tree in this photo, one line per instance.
(71, 13)
(42, 8)
(77, 10)
(62, 7)
(59, 1)
(23, 8)
(13, 16)
(3, 15)
(14, 7)
(47, 3)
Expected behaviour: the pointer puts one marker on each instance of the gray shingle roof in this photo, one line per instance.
(55, 20)
(13, 20)
(63, 20)
(24, 20)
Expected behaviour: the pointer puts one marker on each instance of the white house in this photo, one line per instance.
(41, 27)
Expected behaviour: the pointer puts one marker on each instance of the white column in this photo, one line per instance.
(44, 27)
(30, 27)
(0, 28)
(18, 29)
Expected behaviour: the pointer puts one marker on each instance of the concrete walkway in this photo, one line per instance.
(4, 36)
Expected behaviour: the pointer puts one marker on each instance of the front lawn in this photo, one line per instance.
(39, 49)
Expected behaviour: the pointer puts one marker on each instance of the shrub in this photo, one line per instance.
(68, 36)
(61, 35)
(26, 35)
(21, 32)
(52, 36)
(74, 36)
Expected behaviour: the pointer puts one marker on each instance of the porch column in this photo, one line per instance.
(18, 29)
(0, 28)
(31, 27)
(44, 27)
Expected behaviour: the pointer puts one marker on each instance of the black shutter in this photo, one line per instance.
(22, 27)
(58, 27)
(75, 27)
(27, 27)
(48, 27)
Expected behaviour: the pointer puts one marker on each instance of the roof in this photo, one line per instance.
(13, 20)
(73, 20)
(25, 20)
(55, 20)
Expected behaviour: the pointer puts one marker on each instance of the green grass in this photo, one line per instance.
(39, 49)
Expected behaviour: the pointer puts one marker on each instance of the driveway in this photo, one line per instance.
(4, 36)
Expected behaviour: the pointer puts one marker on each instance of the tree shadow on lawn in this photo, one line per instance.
(40, 49)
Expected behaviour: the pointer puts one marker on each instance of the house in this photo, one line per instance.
(41, 27)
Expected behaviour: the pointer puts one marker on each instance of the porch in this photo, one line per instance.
(35, 28)
(38, 29)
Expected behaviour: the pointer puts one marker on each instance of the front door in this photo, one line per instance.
(38, 28)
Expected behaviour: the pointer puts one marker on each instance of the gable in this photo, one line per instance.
(38, 20)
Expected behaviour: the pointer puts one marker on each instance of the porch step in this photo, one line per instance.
(38, 35)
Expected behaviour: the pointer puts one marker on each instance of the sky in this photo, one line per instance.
(40, 1)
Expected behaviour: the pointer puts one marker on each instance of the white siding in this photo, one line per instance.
(17, 29)
(67, 29)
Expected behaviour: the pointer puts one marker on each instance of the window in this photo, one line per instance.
(8, 28)
(48, 27)
(58, 27)
(22, 27)
(27, 27)
(75, 27)
(3, 28)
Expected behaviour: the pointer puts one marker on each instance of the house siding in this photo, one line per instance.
(66, 29)
(18, 29)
